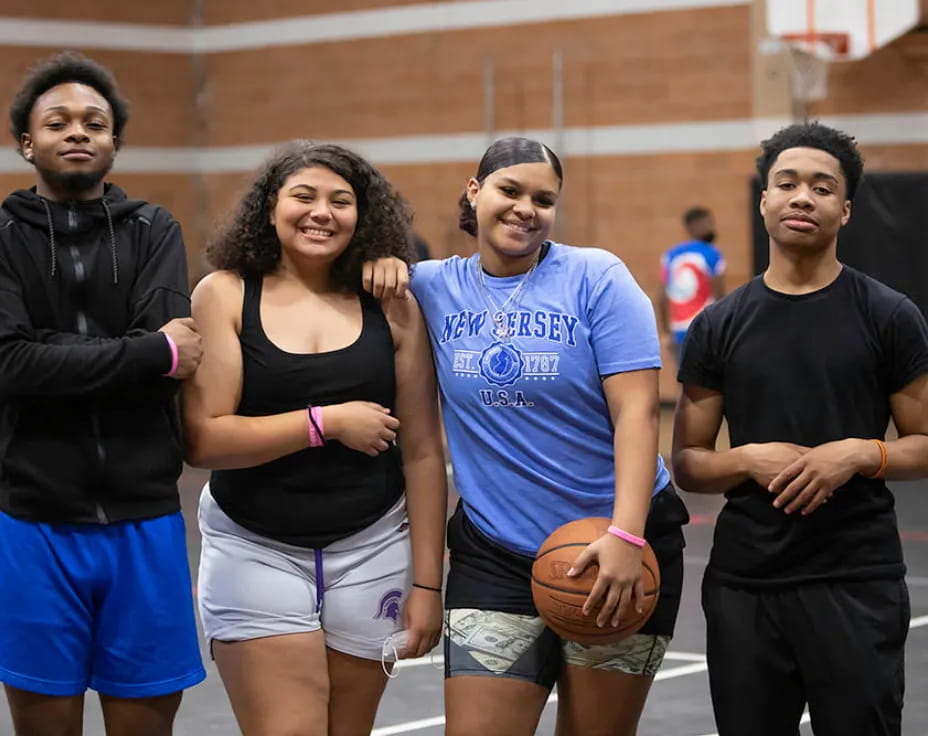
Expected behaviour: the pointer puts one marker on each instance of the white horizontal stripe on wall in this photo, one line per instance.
(616, 140)
(425, 18)
(326, 28)
(59, 34)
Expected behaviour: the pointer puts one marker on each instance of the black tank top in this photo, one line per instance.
(316, 496)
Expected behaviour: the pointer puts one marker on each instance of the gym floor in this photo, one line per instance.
(679, 701)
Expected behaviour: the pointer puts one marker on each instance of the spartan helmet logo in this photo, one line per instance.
(390, 605)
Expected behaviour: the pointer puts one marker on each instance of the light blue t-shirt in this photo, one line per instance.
(528, 425)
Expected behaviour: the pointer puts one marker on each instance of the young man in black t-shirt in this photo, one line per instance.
(804, 594)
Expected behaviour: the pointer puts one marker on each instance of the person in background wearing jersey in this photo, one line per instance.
(95, 337)
(691, 278)
(317, 412)
(547, 358)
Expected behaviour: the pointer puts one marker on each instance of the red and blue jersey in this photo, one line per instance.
(687, 272)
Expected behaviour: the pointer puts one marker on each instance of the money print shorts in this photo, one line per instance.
(522, 647)
(492, 626)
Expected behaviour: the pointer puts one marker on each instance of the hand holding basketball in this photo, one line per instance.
(618, 582)
(578, 567)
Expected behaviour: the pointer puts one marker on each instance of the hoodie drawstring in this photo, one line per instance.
(109, 223)
(52, 246)
(51, 236)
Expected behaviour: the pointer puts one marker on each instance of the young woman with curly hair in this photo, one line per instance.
(305, 398)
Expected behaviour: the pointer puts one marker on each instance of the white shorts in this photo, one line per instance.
(251, 586)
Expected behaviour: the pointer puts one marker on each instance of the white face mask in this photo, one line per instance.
(394, 646)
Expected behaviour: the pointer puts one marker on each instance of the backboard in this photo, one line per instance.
(841, 30)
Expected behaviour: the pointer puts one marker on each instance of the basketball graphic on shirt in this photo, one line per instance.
(501, 364)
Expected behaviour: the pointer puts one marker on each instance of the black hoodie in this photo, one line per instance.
(88, 426)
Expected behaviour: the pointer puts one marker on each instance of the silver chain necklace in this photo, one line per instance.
(499, 313)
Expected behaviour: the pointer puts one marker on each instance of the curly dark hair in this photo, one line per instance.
(502, 153)
(248, 242)
(814, 135)
(68, 66)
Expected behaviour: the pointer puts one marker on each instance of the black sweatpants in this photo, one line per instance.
(838, 646)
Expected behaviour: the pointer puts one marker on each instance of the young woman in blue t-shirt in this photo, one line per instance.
(547, 358)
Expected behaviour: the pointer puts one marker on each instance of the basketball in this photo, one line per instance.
(559, 599)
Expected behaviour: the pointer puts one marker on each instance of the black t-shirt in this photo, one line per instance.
(808, 369)
(318, 495)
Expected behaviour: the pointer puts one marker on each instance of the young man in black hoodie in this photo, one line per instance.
(95, 336)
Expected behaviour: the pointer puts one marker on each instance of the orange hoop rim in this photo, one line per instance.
(839, 43)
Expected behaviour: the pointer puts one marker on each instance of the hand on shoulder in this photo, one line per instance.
(404, 317)
(386, 278)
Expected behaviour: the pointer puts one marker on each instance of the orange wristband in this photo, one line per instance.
(882, 469)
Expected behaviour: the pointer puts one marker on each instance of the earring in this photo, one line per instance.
(473, 204)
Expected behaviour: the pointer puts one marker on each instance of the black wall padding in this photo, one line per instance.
(886, 238)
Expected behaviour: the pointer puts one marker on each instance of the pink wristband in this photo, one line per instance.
(315, 415)
(630, 538)
(315, 426)
(175, 357)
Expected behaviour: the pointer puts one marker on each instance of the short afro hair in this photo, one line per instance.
(814, 135)
(63, 68)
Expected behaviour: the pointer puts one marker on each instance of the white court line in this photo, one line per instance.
(698, 665)
(438, 661)
(685, 656)
(410, 726)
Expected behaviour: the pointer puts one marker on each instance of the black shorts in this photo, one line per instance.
(486, 576)
(493, 627)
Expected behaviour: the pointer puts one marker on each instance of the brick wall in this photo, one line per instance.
(237, 11)
(162, 12)
(641, 69)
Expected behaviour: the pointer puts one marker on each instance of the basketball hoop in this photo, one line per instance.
(826, 46)
(817, 33)
(811, 53)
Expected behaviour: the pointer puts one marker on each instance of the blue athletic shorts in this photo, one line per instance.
(106, 607)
